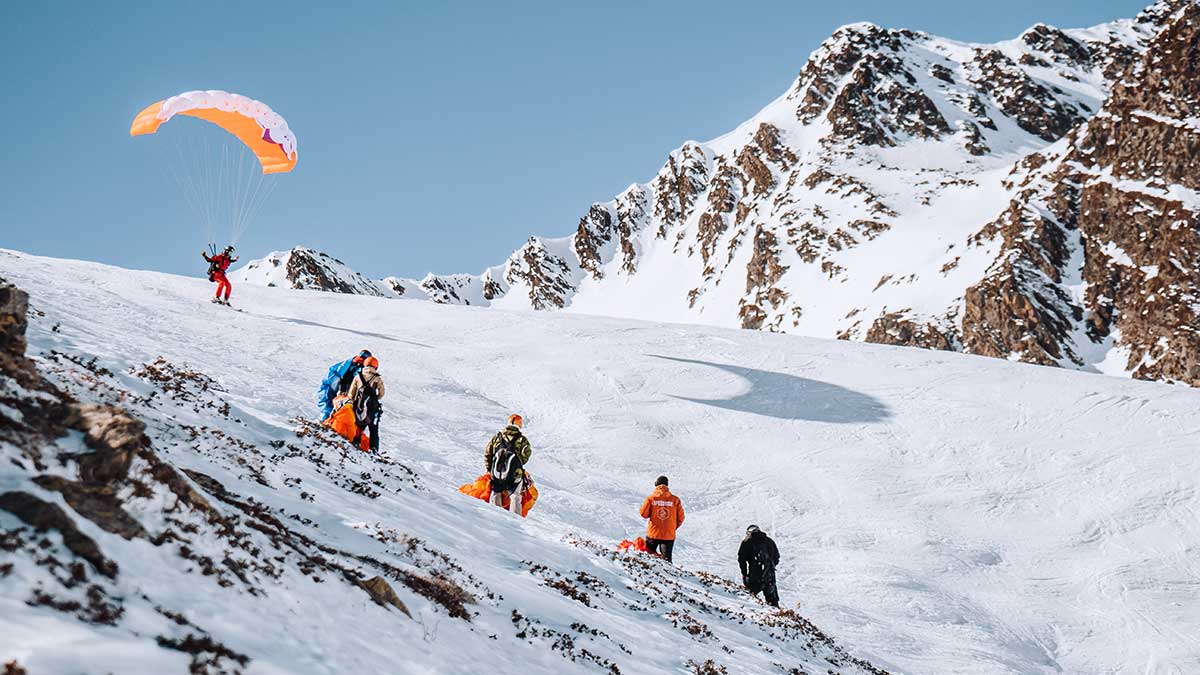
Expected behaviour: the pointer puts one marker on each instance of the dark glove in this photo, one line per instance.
(746, 581)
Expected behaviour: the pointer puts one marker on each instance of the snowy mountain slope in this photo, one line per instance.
(937, 513)
(865, 203)
(236, 536)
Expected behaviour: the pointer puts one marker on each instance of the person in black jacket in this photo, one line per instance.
(758, 555)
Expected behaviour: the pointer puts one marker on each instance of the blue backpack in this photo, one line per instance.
(332, 384)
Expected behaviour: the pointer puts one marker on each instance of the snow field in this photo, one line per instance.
(937, 513)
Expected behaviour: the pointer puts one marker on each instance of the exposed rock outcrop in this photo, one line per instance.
(546, 276)
(595, 232)
(896, 329)
(383, 594)
(1031, 104)
(761, 274)
(44, 516)
(14, 319)
(1117, 210)
(678, 186)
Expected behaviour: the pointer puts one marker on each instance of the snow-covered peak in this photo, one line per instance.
(862, 203)
(306, 269)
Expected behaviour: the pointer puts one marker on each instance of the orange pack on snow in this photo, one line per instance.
(638, 545)
(342, 421)
(482, 489)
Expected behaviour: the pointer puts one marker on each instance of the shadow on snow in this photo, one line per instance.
(789, 397)
(314, 324)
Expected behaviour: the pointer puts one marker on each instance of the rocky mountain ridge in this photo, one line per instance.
(911, 190)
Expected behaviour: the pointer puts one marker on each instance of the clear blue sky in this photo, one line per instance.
(433, 136)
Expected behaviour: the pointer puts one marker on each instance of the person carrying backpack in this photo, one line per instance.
(664, 512)
(217, 266)
(338, 380)
(505, 459)
(366, 389)
(758, 555)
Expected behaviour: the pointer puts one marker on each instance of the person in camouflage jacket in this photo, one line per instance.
(510, 437)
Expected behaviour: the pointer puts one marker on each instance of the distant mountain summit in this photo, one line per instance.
(1030, 200)
(306, 269)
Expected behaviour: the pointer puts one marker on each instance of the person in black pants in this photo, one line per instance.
(758, 555)
(366, 390)
(662, 548)
(664, 514)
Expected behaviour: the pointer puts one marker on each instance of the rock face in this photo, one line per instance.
(1100, 243)
(383, 594)
(1029, 200)
(893, 329)
(14, 313)
(14, 310)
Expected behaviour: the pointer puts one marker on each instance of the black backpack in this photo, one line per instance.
(506, 466)
(760, 557)
(213, 268)
(343, 385)
(366, 403)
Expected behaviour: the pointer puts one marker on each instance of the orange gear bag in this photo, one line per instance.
(342, 421)
(638, 545)
(482, 489)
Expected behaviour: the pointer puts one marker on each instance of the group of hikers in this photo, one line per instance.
(353, 388)
(350, 401)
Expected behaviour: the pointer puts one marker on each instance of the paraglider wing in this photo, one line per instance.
(263, 130)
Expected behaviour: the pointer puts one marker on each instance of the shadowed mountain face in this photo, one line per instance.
(790, 397)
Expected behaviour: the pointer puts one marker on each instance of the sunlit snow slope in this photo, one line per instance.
(936, 513)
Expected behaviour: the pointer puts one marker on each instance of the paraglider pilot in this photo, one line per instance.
(218, 264)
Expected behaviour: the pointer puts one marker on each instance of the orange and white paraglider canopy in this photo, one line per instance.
(263, 130)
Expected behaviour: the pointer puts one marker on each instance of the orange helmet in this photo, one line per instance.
(516, 420)
(371, 362)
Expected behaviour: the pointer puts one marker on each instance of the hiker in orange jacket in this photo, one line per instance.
(665, 513)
